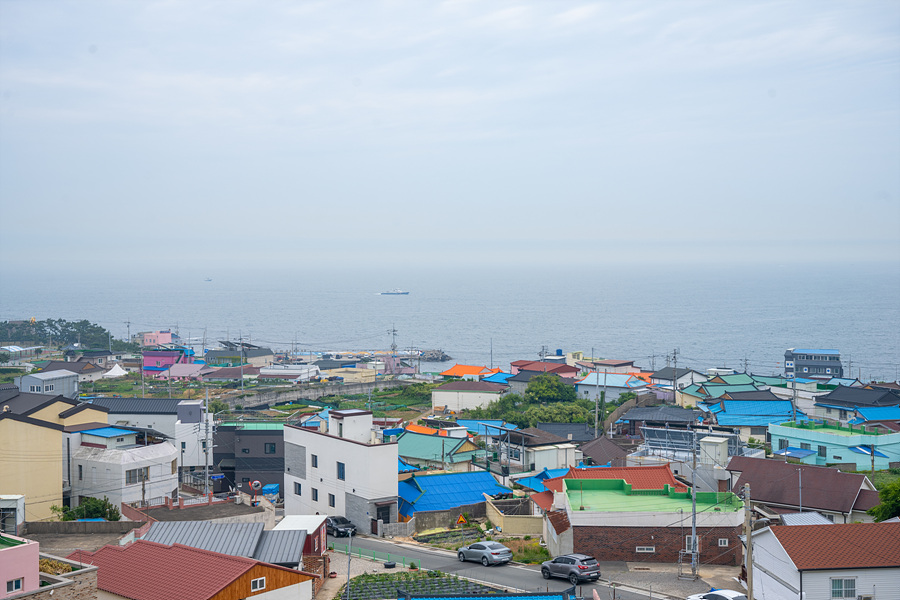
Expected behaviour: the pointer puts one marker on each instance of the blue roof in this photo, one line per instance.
(755, 413)
(879, 413)
(536, 482)
(445, 491)
(405, 467)
(842, 381)
(477, 426)
(498, 377)
(792, 452)
(107, 432)
(867, 450)
(148, 368)
(497, 596)
(813, 351)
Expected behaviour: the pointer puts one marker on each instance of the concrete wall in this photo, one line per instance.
(399, 529)
(610, 543)
(310, 392)
(514, 524)
(79, 585)
(433, 519)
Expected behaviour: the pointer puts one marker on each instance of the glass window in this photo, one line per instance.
(315, 461)
(315, 495)
(341, 471)
(14, 585)
(331, 500)
(297, 488)
(843, 588)
(270, 448)
(823, 451)
(258, 584)
(804, 446)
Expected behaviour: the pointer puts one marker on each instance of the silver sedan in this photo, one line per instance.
(487, 553)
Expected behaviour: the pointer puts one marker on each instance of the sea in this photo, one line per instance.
(706, 317)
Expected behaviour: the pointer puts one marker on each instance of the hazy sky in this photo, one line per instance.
(433, 133)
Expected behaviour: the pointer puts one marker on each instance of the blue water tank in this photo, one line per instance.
(559, 352)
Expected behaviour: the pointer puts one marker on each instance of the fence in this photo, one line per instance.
(371, 554)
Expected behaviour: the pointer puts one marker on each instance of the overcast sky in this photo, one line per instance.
(430, 133)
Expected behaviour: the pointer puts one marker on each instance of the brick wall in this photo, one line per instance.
(619, 543)
(320, 565)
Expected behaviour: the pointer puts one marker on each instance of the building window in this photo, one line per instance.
(804, 446)
(48, 387)
(245, 450)
(688, 545)
(758, 430)
(80, 472)
(723, 542)
(315, 494)
(183, 445)
(120, 439)
(14, 585)
(782, 444)
(136, 475)
(297, 488)
(341, 471)
(843, 588)
(823, 451)
(331, 500)
(35, 388)
(645, 549)
(827, 411)
(174, 466)
(315, 461)
(257, 584)
(270, 448)
(203, 443)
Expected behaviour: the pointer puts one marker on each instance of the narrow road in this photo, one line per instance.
(512, 577)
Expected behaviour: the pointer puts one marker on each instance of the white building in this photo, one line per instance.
(109, 463)
(344, 471)
(53, 383)
(854, 560)
(457, 396)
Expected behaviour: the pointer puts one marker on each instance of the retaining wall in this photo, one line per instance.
(443, 519)
(82, 527)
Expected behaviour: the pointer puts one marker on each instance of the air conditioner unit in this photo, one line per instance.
(866, 597)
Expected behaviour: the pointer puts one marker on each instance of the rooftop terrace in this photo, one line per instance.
(846, 431)
(614, 495)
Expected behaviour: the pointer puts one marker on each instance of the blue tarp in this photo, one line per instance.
(478, 426)
(271, 489)
(405, 467)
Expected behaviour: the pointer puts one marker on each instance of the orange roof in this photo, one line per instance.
(654, 477)
(841, 546)
(426, 430)
(463, 370)
(642, 376)
(543, 499)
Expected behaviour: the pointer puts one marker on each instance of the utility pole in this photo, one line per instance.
(694, 557)
(128, 324)
(241, 340)
(800, 488)
(748, 534)
(206, 445)
(675, 376)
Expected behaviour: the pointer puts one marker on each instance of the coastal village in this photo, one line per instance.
(161, 471)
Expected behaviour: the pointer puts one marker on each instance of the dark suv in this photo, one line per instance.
(574, 567)
(339, 526)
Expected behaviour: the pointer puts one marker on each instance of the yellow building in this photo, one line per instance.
(352, 374)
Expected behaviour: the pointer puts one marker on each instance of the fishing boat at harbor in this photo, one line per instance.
(394, 292)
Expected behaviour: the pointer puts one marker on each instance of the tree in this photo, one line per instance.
(217, 406)
(4, 358)
(549, 388)
(90, 508)
(890, 502)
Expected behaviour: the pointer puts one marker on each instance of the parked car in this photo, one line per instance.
(487, 553)
(339, 526)
(574, 567)
(718, 595)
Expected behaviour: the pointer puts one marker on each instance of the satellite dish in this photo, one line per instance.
(256, 486)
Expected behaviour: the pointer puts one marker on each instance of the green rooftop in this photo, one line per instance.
(615, 495)
(832, 429)
(256, 425)
(8, 542)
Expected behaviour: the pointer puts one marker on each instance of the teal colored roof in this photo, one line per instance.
(445, 491)
(737, 379)
(497, 377)
(769, 380)
(107, 432)
(477, 426)
(717, 390)
(420, 446)
(842, 381)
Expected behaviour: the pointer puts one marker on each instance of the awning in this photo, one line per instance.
(792, 452)
(867, 450)
(386, 503)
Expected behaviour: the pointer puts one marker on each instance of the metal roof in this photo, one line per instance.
(282, 547)
(813, 351)
(441, 492)
(236, 539)
(805, 518)
(867, 450)
(107, 432)
(309, 523)
(166, 406)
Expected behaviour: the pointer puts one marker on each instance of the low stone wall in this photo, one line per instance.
(443, 519)
(399, 529)
(82, 527)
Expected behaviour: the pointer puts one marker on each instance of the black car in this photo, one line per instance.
(339, 526)
(574, 567)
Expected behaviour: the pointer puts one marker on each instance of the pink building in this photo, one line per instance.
(19, 564)
(158, 360)
(156, 338)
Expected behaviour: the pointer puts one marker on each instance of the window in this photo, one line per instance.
(645, 549)
(331, 500)
(341, 471)
(258, 584)
(758, 430)
(297, 488)
(315, 461)
(14, 585)
(203, 443)
(174, 466)
(827, 411)
(823, 451)
(270, 448)
(135, 475)
(843, 588)
(183, 445)
(48, 387)
(34, 388)
(723, 542)
(80, 472)
(688, 545)
(315, 495)
(804, 446)
(245, 450)
(782, 444)
(120, 439)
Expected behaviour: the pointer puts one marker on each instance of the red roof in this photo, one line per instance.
(463, 370)
(654, 477)
(544, 500)
(844, 546)
(150, 571)
(544, 367)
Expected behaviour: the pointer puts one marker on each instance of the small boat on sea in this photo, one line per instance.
(395, 292)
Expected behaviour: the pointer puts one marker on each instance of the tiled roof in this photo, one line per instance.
(667, 372)
(535, 437)
(149, 571)
(777, 482)
(543, 499)
(851, 396)
(573, 432)
(545, 367)
(76, 367)
(536, 482)
(445, 491)
(654, 477)
(471, 386)
(867, 499)
(117, 406)
(879, 413)
(758, 413)
(663, 414)
(841, 546)
(603, 450)
(752, 395)
(559, 520)
(419, 446)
